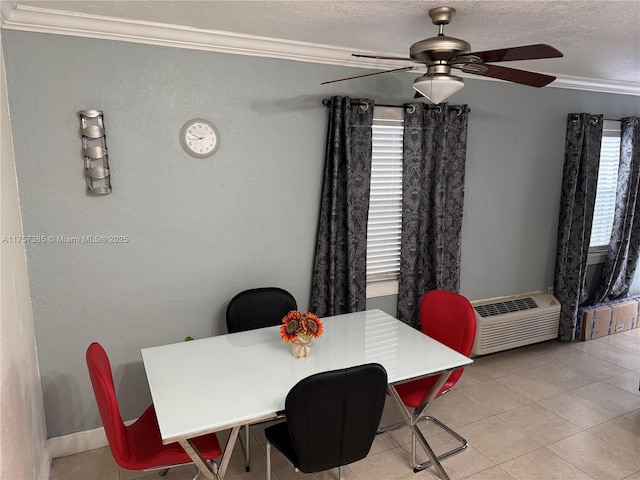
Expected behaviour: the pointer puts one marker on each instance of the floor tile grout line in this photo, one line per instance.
(551, 451)
(613, 446)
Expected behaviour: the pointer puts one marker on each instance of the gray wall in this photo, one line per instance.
(201, 230)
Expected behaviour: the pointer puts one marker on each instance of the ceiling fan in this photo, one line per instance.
(442, 53)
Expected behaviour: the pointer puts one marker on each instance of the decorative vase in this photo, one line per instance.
(301, 347)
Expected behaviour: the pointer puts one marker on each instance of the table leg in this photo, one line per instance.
(412, 420)
(228, 450)
(209, 469)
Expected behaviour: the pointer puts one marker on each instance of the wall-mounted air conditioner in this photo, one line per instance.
(514, 321)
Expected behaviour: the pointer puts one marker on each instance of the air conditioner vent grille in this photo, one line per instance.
(515, 321)
(500, 308)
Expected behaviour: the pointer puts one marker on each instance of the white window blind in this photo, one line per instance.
(607, 185)
(385, 202)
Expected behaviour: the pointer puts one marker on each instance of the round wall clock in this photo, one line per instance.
(199, 138)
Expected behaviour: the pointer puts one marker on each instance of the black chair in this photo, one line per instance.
(257, 308)
(332, 418)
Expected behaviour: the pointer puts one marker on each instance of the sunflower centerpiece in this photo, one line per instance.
(298, 329)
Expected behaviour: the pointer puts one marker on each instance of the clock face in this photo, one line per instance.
(199, 138)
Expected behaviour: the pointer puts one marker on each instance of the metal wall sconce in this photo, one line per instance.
(94, 149)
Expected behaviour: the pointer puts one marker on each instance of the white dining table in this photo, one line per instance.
(223, 382)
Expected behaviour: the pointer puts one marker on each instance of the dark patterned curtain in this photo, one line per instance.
(622, 257)
(579, 183)
(339, 273)
(435, 149)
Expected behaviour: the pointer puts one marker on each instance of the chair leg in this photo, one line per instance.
(402, 423)
(421, 466)
(268, 461)
(245, 448)
(163, 472)
(394, 426)
(247, 459)
(463, 444)
(197, 475)
(340, 476)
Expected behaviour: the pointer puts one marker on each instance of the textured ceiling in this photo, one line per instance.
(600, 39)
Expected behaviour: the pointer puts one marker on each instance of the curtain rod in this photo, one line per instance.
(403, 106)
(327, 101)
(594, 115)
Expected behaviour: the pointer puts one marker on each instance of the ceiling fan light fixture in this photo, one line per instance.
(437, 87)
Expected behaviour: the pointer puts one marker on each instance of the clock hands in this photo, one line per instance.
(199, 138)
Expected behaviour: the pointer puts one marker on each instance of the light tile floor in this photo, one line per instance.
(541, 412)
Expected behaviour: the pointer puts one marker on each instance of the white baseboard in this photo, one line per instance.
(45, 467)
(76, 442)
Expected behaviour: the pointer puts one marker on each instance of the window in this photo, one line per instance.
(606, 191)
(384, 225)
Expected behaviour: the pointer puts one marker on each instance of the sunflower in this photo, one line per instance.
(312, 326)
(305, 325)
(291, 326)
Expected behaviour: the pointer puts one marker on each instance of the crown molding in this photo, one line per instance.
(596, 85)
(6, 7)
(41, 20)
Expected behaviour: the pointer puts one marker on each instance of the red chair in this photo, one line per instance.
(450, 319)
(139, 445)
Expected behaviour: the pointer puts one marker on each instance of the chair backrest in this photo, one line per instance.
(259, 307)
(105, 392)
(449, 318)
(333, 416)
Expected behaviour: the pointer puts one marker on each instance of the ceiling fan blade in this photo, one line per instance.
(369, 75)
(381, 57)
(527, 52)
(514, 75)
